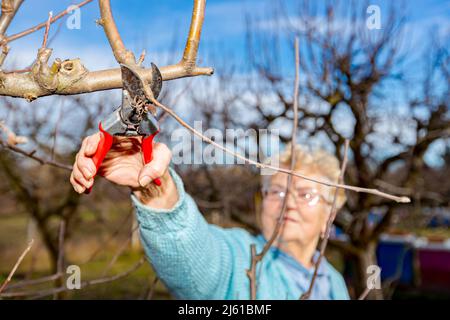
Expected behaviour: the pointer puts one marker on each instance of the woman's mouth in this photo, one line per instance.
(290, 219)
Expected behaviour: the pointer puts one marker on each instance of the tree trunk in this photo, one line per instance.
(49, 243)
(363, 262)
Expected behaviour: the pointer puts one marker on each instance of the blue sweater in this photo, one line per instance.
(197, 260)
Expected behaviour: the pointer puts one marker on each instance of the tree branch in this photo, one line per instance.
(31, 155)
(71, 77)
(9, 10)
(121, 54)
(22, 256)
(333, 212)
(42, 24)
(402, 199)
(47, 292)
(255, 258)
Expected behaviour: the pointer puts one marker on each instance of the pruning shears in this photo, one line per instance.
(132, 118)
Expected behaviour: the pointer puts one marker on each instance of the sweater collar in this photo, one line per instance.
(292, 262)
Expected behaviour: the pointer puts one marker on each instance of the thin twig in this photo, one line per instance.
(260, 165)
(151, 289)
(255, 258)
(32, 282)
(31, 155)
(163, 115)
(47, 29)
(333, 213)
(48, 292)
(3, 54)
(56, 276)
(43, 24)
(142, 57)
(121, 249)
(293, 145)
(122, 224)
(19, 261)
(60, 261)
(365, 293)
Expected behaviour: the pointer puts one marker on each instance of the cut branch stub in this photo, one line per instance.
(186, 67)
(31, 85)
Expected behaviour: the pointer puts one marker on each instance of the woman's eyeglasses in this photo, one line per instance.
(308, 196)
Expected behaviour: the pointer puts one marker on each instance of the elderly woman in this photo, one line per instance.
(197, 260)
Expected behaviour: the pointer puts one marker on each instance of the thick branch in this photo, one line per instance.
(187, 66)
(74, 78)
(9, 10)
(190, 51)
(121, 54)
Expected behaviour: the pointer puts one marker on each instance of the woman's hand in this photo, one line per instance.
(123, 165)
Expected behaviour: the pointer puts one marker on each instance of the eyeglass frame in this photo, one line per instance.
(282, 194)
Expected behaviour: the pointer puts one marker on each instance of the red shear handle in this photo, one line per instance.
(147, 149)
(103, 147)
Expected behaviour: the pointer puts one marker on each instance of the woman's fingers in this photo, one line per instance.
(86, 166)
(77, 185)
(158, 166)
(91, 144)
(84, 169)
(84, 157)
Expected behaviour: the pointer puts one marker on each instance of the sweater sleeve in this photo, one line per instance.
(193, 259)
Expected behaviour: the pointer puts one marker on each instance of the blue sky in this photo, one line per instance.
(152, 25)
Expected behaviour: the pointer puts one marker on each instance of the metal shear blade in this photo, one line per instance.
(132, 117)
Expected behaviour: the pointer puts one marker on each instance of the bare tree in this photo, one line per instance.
(70, 77)
(345, 67)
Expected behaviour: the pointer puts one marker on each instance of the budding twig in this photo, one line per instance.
(19, 261)
(38, 159)
(47, 29)
(282, 170)
(48, 292)
(333, 213)
(43, 24)
(255, 258)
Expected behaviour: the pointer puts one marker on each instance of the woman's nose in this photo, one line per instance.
(291, 201)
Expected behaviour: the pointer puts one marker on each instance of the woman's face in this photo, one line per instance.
(306, 212)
